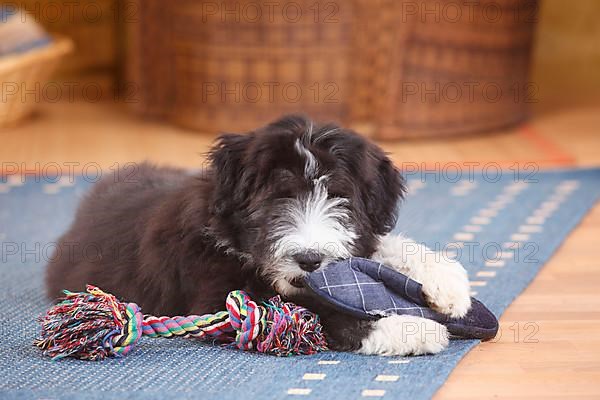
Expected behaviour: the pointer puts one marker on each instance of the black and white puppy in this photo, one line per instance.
(273, 205)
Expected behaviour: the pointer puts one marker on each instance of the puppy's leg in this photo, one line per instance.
(397, 335)
(445, 281)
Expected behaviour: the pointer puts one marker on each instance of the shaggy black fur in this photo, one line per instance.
(177, 243)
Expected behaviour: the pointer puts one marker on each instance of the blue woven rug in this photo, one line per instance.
(503, 230)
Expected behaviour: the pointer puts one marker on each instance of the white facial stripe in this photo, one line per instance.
(309, 133)
(315, 223)
(310, 162)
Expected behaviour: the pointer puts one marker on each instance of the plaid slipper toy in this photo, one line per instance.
(367, 289)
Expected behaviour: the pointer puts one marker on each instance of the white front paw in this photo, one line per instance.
(446, 287)
(400, 335)
(445, 281)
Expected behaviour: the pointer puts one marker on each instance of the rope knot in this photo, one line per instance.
(246, 317)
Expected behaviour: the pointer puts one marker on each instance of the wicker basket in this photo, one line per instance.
(26, 71)
(147, 63)
(210, 74)
(445, 77)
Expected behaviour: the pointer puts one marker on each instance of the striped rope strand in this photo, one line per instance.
(213, 325)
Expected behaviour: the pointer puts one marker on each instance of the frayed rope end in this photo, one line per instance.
(89, 325)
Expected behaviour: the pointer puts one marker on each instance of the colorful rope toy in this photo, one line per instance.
(94, 325)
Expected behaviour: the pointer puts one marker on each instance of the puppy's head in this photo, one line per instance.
(293, 196)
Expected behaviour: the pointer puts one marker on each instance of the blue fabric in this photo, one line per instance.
(19, 34)
(25, 47)
(370, 290)
(33, 214)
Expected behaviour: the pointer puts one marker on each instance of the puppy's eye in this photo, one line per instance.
(334, 195)
(338, 193)
(335, 190)
(285, 184)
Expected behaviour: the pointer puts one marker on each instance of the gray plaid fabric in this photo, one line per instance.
(357, 286)
(368, 289)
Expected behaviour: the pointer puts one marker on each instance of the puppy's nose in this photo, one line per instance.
(309, 261)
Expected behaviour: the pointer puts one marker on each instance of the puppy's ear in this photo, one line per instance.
(227, 165)
(384, 192)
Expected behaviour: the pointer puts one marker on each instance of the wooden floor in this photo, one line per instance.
(563, 301)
